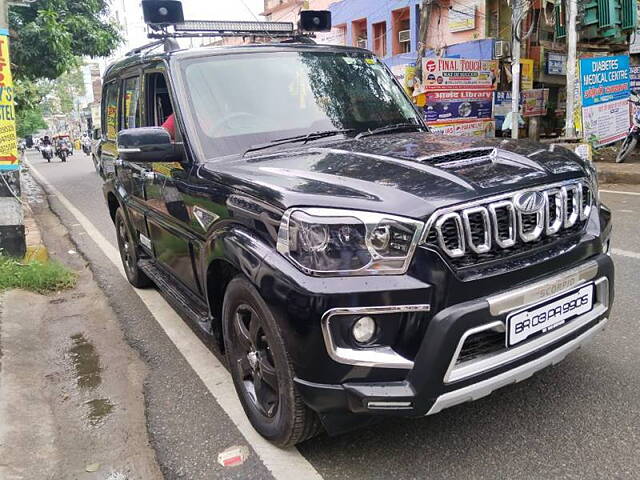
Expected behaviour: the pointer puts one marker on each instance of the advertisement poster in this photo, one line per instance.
(604, 79)
(458, 106)
(406, 75)
(534, 102)
(9, 159)
(607, 123)
(526, 74)
(457, 74)
(462, 18)
(481, 128)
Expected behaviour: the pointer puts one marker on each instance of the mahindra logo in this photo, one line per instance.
(529, 202)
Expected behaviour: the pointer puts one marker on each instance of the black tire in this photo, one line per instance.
(249, 327)
(129, 253)
(628, 147)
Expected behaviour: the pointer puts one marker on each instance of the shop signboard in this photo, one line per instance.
(534, 102)
(604, 79)
(9, 159)
(634, 72)
(481, 128)
(502, 105)
(556, 64)
(606, 123)
(441, 74)
(462, 18)
(458, 106)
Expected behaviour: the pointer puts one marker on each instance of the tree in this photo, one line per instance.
(48, 36)
(29, 121)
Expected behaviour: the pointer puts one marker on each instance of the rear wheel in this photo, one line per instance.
(129, 253)
(628, 147)
(261, 368)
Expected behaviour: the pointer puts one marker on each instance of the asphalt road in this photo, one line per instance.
(580, 419)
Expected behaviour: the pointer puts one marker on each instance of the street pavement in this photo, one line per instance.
(579, 419)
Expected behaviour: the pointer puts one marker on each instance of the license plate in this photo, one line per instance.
(108, 167)
(550, 314)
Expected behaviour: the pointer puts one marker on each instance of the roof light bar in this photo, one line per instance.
(235, 28)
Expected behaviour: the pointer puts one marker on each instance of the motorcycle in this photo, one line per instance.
(633, 139)
(63, 152)
(47, 152)
(86, 147)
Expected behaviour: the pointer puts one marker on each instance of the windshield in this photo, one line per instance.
(242, 100)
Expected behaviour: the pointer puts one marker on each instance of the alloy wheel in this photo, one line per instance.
(254, 361)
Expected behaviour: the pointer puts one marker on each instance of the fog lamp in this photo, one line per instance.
(364, 329)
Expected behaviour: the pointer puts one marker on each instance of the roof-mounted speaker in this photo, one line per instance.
(315, 21)
(162, 12)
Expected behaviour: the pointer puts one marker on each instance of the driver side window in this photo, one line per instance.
(159, 111)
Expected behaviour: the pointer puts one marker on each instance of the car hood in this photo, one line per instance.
(409, 174)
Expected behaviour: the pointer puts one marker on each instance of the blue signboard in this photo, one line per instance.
(604, 79)
(458, 106)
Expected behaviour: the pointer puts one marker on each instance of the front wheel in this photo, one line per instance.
(129, 253)
(261, 368)
(628, 147)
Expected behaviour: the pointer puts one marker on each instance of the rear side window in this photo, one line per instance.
(110, 112)
(131, 103)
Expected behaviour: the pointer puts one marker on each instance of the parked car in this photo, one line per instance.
(349, 263)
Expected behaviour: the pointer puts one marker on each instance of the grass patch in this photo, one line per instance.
(36, 276)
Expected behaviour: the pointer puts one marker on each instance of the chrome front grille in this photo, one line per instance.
(509, 224)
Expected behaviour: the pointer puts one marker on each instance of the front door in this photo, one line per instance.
(168, 217)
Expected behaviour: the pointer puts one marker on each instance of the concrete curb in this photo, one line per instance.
(626, 173)
(36, 250)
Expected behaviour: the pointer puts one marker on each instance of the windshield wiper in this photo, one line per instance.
(300, 138)
(390, 128)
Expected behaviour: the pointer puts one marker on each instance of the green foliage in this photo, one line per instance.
(49, 36)
(35, 276)
(29, 121)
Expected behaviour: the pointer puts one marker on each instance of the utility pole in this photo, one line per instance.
(425, 13)
(12, 234)
(516, 17)
(572, 39)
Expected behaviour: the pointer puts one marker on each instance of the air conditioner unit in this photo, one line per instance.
(361, 43)
(404, 36)
(501, 49)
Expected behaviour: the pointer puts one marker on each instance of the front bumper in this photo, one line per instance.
(434, 381)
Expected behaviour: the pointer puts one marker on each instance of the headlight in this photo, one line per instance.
(332, 242)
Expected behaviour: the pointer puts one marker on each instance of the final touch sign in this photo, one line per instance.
(8, 142)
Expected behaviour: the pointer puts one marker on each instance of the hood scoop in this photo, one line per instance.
(462, 158)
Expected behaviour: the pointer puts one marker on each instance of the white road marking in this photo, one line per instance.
(625, 253)
(637, 194)
(283, 464)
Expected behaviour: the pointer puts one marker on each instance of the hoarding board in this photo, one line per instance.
(534, 102)
(604, 79)
(634, 72)
(482, 128)
(606, 123)
(458, 106)
(9, 159)
(457, 74)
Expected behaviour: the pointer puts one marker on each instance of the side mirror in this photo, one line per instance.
(147, 144)
(97, 133)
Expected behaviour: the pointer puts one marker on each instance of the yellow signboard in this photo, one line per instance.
(9, 159)
(526, 75)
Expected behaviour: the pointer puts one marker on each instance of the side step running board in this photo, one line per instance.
(178, 296)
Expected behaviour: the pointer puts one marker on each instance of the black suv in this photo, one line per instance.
(349, 263)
